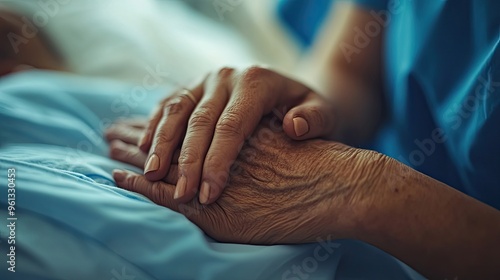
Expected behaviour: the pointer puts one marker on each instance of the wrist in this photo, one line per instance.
(352, 184)
(422, 221)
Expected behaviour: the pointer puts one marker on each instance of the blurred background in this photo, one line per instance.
(128, 39)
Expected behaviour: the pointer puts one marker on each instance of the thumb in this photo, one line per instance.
(314, 117)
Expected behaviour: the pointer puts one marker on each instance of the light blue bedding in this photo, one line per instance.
(74, 223)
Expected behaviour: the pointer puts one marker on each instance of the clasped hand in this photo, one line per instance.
(210, 122)
(279, 190)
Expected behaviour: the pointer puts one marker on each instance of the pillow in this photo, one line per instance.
(129, 39)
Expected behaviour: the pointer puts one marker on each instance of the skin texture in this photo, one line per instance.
(343, 103)
(440, 232)
(309, 189)
(318, 189)
(231, 103)
(353, 82)
(291, 200)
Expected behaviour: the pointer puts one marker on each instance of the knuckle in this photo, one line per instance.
(202, 118)
(157, 193)
(176, 105)
(230, 124)
(131, 180)
(253, 73)
(225, 72)
(189, 155)
(163, 136)
(185, 100)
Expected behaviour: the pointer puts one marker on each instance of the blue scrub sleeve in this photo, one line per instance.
(304, 18)
(471, 120)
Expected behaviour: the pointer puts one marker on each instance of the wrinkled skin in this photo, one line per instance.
(280, 190)
(213, 119)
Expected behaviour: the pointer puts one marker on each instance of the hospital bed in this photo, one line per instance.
(72, 222)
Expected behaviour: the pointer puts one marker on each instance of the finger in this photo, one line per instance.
(123, 132)
(159, 192)
(199, 134)
(169, 132)
(127, 153)
(138, 122)
(147, 136)
(251, 98)
(314, 117)
(131, 154)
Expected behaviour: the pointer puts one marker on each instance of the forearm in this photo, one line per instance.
(440, 232)
(359, 105)
(358, 102)
(353, 82)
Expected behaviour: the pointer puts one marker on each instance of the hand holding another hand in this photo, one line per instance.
(213, 120)
(279, 190)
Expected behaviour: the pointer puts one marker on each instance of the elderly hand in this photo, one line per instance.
(213, 120)
(279, 190)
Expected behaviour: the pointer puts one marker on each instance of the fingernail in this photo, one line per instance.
(180, 189)
(119, 175)
(153, 164)
(204, 193)
(300, 126)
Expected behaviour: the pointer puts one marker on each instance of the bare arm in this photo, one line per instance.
(348, 73)
(359, 194)
(441, 232)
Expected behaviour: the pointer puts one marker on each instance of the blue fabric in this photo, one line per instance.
(74, 223)
(442, 80)
(375, 4)
(303, 17)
